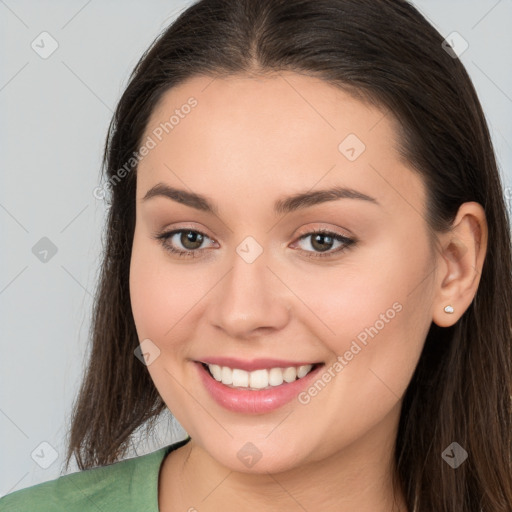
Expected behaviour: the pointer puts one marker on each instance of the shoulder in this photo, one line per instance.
(131, 484)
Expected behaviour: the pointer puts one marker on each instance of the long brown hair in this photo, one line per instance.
(386, 52)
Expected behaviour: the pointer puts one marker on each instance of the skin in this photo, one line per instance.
(250, 141)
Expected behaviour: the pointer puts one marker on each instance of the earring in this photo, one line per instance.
(448, 309)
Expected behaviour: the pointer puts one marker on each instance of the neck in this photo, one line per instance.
(359, 477)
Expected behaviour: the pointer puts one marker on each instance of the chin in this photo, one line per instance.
(257, 458)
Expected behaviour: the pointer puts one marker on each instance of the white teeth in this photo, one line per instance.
(302, 371)
(275, 376)
(216, 371)
(226, 375)
(257, 379)
(240, 378)
(290, 374)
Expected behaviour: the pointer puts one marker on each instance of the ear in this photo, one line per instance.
(460, 258)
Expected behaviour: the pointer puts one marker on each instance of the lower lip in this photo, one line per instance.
(254, 402)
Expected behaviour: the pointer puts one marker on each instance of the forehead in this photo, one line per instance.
(264, 136)
(295, 107)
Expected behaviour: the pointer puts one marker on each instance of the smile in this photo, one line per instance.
(259, 390)
(257, 379)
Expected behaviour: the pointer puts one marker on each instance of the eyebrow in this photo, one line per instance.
(288, 204)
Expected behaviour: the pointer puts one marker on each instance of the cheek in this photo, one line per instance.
(146, 296)
(151, 292)
(165, 296)
(158, 304)
(374, 311)
(378, 318)
(350, 296)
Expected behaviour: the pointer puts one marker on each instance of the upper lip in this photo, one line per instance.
(253, 364)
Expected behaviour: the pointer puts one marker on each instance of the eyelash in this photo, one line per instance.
(163, 237)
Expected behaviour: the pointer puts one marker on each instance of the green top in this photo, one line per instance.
(128, 485)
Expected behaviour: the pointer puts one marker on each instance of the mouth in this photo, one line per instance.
(262, 388)
(260, 379)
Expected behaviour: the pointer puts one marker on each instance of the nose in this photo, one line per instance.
(250, 300)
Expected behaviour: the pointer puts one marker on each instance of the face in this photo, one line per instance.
(341, 281)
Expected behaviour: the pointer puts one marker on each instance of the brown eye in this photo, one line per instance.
(183, 242)
(191, 239)
(323, 241)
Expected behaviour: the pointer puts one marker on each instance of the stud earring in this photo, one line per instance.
(448, 309)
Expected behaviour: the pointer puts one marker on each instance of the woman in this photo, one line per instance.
(308, 263)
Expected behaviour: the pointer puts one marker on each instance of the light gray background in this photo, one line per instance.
(55, 113)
